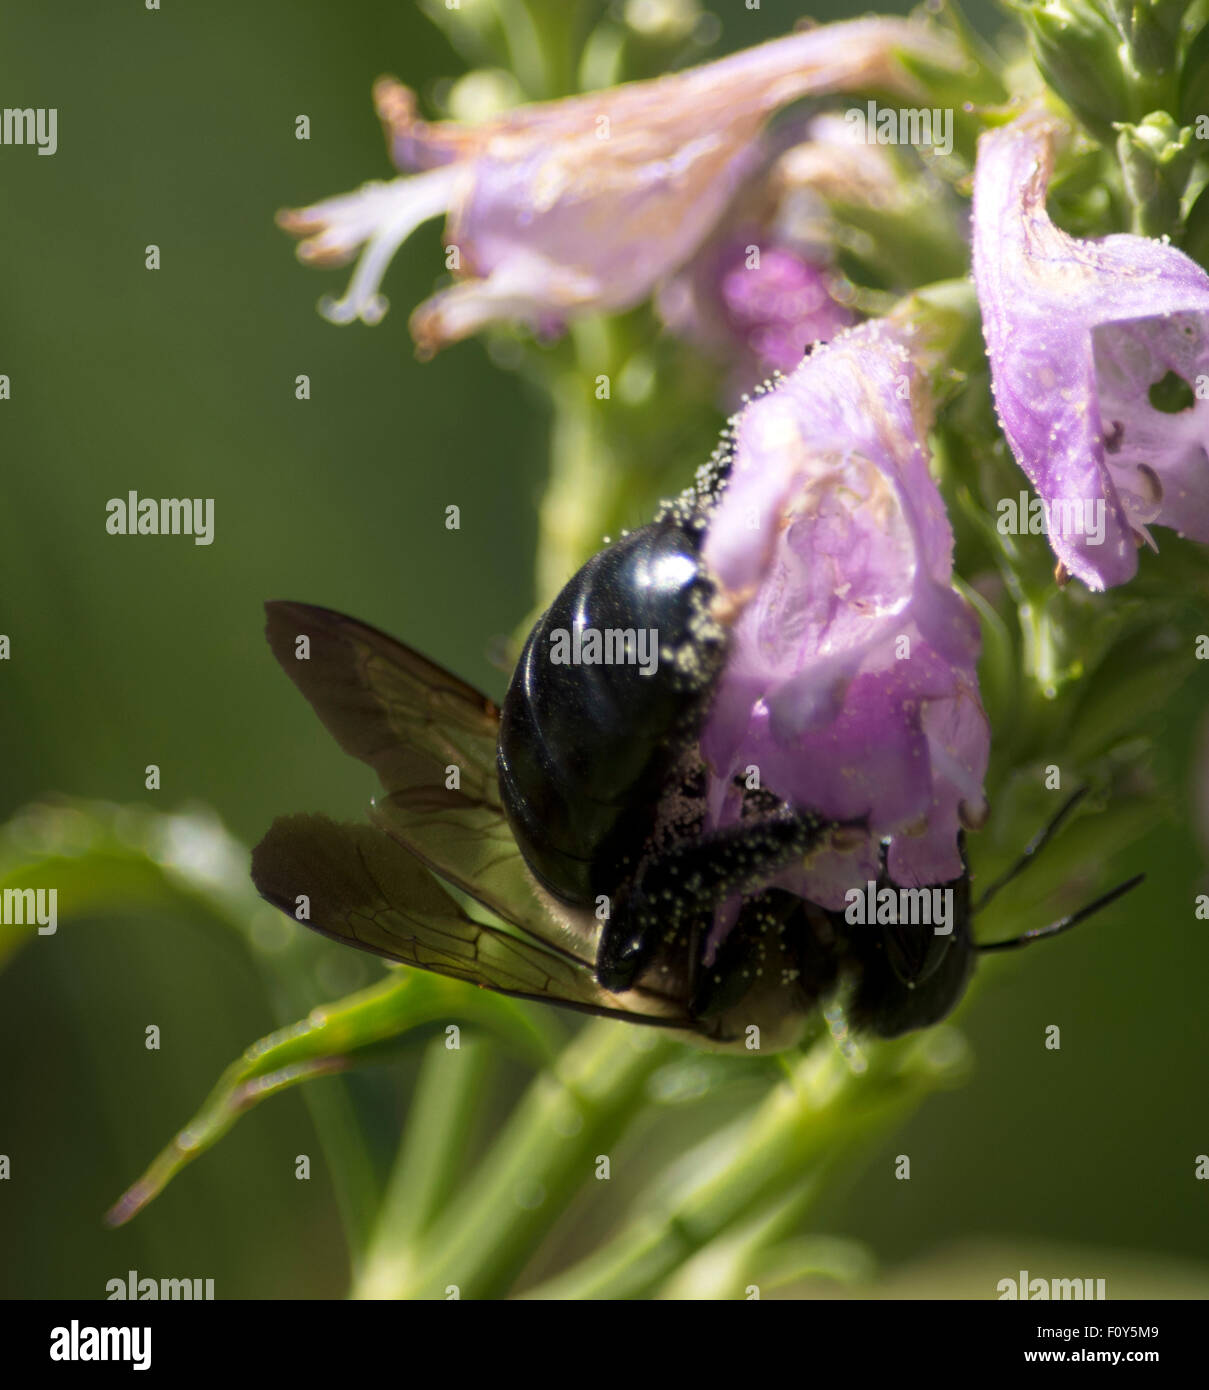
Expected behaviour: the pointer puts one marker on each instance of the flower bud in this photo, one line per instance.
(1078, 50)
(1156, 158)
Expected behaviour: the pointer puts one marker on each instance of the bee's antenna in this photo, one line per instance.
(1034, 846)
(1065, 923)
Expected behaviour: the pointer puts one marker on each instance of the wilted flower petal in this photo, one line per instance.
(1082, 337)
(836, 162)
(850, 682)
(587, 203)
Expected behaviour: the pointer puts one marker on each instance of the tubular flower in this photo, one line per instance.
(850, 682)
(1095, 349)
(587, 203)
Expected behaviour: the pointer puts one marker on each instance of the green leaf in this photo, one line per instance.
(1078, 52)
(322, 1043)
(106, 859)
(1194, 81)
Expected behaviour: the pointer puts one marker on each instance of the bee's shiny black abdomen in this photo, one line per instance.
(585, 751)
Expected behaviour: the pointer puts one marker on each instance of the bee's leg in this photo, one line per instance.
(683, 884)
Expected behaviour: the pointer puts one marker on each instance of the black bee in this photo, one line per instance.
(592, 756)
(577, 819)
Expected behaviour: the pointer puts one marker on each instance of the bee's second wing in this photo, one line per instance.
(362, 888)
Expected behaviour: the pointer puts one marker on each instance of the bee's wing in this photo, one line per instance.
(363, 888)
(413, 722)
(387, 705)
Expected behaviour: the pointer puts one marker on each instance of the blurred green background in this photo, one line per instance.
(177, 128)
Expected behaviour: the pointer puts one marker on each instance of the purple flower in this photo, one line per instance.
(586, 204)
(756, 299)
(779, 305)
(1095, 350)
(850, 683)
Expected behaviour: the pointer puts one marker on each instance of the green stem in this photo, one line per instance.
(288, 981)
(586, 479)
(547, 1151)
(725, 1267)
(631, 419)
(342, 1140)
(448, 1091)
(810, 1124)
(542, 39)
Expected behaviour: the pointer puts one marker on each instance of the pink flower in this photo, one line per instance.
(586, 204)
(1095, 350)
(850, 682)
(756, 300)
